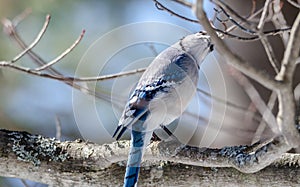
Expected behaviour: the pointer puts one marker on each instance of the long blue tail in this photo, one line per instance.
(139, 141)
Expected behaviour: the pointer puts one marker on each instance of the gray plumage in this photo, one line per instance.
(161, 95)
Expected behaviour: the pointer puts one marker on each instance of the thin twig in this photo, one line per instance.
(228, 10)
(250, 116)
(291, 53)
(184, 3)
(61, 56)
(279, 20)
(263, 15)
(68, 78)
(241, 19)
(36, 40)
(253, 8)
(216, 126)
(294, 3)
(264, 40)
(227, 103)
(270, 53)
(19, 18)
(234, 59)
(262, 125)
(253, 94)
(160, 6)
(10, 29)
(24, 183)
(58, 127)
(110, 76)
(248, 18)
(152, 48)
(232, 105)
(253, 38)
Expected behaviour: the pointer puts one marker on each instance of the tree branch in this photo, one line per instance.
(62, 55)
(256, 99)
(160, 6)
(79, 163)
(294, 3)
(9, 27)
(286, 113)
(232, 58)
(291, 53)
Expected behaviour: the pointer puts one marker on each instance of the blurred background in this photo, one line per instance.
(120, 36)
(29, 102)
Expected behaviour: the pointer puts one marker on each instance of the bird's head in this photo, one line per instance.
(197, 45)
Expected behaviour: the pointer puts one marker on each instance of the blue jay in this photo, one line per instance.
(161, 95)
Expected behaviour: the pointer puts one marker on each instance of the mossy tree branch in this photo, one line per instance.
(79, 163)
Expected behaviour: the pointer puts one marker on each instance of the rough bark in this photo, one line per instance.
(79, 163)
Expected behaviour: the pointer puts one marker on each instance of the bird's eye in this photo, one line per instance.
(211, 47)
(202, 32)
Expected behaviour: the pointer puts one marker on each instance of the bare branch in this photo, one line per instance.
(19, 18)
(279, 20)
(286, 108)
(231, 58)
(68, 78)
(268, 48)
(286, 114)
(61, 56)
(262, 125)
(9, 25)
(263, 16)
(291, 53)
(110, 76)
(185, 3)
(152, 48)
(270, 53)
(253, 38)
(160, 6)
(55, 74)
(258, 102)
(294, 3)
(228, 11)
(24, 183)
(227, 103)
(253, 7)
(253, 15)
(58, 127)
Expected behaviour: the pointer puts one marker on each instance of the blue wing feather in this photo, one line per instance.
(138, 103)
(136, 110)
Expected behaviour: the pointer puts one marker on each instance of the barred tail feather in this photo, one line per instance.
(139, 141)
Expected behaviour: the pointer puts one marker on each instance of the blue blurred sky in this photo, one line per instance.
(31, 103)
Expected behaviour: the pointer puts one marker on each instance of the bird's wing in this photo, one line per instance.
(135, 109)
